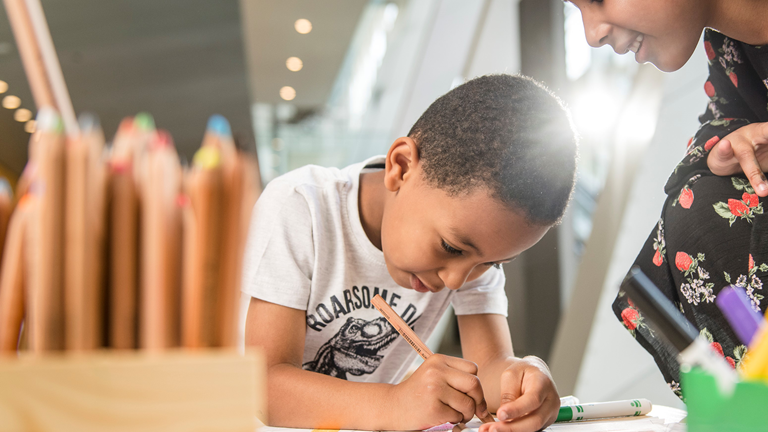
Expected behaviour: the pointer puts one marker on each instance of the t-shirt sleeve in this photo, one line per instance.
(279, 253)
(484, 295)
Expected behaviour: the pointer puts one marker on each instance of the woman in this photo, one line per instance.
(713, 231)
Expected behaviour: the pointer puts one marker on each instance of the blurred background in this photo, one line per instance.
(331, 82)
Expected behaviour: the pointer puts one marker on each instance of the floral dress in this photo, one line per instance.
(713, 231)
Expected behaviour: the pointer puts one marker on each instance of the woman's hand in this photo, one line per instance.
(744, 150)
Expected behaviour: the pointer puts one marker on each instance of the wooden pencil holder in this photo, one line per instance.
(219, 390)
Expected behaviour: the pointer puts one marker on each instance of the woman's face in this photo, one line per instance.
(662, 32)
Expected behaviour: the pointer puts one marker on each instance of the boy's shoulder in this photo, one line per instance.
(307, 178)
(315, 177)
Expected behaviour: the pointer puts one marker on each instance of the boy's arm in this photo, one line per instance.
(443, 389)
(519, 390)
(300, 398)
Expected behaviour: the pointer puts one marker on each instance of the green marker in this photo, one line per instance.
(626, 408)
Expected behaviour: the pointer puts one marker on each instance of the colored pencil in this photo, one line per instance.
(123, 241)
(12, 279)
(45, 228)
(160, 246)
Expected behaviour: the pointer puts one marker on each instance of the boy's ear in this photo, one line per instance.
(402, 160)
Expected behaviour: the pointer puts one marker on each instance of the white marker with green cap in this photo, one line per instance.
(625, 408)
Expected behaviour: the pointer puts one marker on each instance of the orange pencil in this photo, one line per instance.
(408, 334)
(45, 236)
(191, 286)
(6, 208)
(75, 208)
(96, 235)
(12, 280)
(123, 268)
(29, 51)
(231, 254)
(201, 294)
(160, 246)
(84, 237)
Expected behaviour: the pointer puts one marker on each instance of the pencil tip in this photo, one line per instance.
(219, 125)
(162, 139)
(144, 121)
(5, 187)
(88, 122)
(207, 157)
(125, 125)
(182, 200)
(48, 120)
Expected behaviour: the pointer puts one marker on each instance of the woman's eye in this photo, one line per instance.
(448, 248)
(496, 265)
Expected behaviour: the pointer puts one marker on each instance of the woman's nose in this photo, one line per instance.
(597, 32)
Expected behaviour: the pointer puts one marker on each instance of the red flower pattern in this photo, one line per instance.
(738, 208)
(710, 51)
(734, 79)
(686, 198)
(657, 258)
(629, 316)
(709, 89)
(683, 261)
(751, 262)
(711, 143)
(750, 199)
(717, 347)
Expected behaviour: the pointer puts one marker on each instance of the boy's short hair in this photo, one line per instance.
(507, 134)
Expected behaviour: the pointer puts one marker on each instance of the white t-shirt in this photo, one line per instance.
(307, 250)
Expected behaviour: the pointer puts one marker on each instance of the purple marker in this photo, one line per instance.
(737, 308)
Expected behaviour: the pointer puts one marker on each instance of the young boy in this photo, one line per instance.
(480, 178)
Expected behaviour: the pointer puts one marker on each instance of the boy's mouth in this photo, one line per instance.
(418, 285)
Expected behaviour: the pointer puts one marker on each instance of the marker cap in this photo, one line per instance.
(738, 310)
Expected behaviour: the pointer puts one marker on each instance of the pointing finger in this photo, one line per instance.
(745, 154)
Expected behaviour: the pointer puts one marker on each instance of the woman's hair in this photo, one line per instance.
(506, 134)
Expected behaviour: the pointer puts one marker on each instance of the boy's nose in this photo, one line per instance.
(455, 275)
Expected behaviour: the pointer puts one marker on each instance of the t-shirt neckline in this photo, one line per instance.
(353, 210)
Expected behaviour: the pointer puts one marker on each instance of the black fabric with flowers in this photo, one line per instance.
(713, 231)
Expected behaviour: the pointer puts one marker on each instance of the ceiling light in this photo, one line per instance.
(11, 102)
(29, 127)
(287, 93)
(22, 115)
(294, 64)
(3, 86)
(303, 26)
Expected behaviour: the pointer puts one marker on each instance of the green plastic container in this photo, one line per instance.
(709, 411)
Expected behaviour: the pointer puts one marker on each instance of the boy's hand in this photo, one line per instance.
(743, 150)
(529, 399)
(443, 389)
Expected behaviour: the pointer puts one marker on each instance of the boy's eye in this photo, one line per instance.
(496, 265)
(448, 248)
